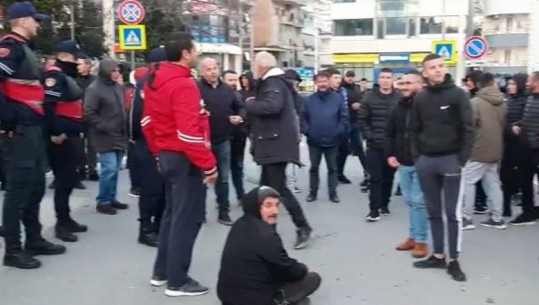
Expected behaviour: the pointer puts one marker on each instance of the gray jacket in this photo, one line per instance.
(105, 111)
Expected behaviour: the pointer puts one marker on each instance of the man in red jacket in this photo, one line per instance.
(176, 128)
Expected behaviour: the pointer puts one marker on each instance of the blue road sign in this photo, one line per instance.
(475, 47)
(447, 49)
(132, 37)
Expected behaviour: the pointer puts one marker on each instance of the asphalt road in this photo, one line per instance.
(357, 260)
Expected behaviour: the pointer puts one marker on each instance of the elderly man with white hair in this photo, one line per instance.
(275, 135)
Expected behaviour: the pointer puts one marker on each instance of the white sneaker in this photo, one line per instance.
(467, 224)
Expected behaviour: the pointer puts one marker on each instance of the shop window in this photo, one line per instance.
(431, 25)
(353, 27)
(396, 26)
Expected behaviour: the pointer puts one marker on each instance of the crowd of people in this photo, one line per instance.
(457, 151)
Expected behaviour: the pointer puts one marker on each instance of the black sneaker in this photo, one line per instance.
(134, 192)
(80, 186)
(385, 211)
(456, 273)
(365, 183)
(344, 180)
(398, 192)
(524, 220)
(480, 210)
(192, 289)
(21, 260)
(334, 198)
(63, 234)
(52, 186)
(303, 236)
(119, 206)
(93, 176)
(41, 246)
(467, 224)
(491, 223)
(74, 226)
(431, 263)
(106, 209)
(224, 219)
(158, 281)
(373, 216)
(365, 188)
(311, 198)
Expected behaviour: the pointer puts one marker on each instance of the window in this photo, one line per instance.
(353, 27)
(396, 26)
(431, 25)
(451, 25)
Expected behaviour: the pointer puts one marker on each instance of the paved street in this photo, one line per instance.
(357, 260)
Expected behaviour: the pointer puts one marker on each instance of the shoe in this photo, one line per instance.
(147, 234)
(224, 219)
(296, 190)
(64, 234)
(21, 260)
(373, 217)
(303, 237)
(52, 186)
(158, 281)
(106, 209)
(74, 226)
(344, 180)
(80, 186)
(407, 245)
(508, 213)
(365, 188)
(500, 225)
(385, 211)
(431, 263)
(119, 206)
(311, 198)
(334, 198)
(480, 210)
(524, 220)
(420, 250)
(365, 183)
(41, 246)
(467, 224)
(134, 192)
(93, 176)
(192, 289)
(456, 273)
(398, 192)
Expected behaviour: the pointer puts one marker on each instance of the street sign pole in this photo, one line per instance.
(132, 60)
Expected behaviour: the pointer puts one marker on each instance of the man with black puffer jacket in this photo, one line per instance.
(373, 117)
(442, 137)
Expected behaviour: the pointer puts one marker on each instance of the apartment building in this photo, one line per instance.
(506, 27)
(316, 33)
(371, 34)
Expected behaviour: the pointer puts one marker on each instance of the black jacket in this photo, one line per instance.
(85, 80)
(373, 116)
(222, 102)
(398, 133)
(353, 96)
(530, 122)
(135, 113)
(442, 121)
(254, 263)
(275, 126)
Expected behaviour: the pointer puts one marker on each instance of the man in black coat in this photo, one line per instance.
(255, 268)
(275, 134)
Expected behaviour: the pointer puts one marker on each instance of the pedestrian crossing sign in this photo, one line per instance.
(447, 49)
(132, 37)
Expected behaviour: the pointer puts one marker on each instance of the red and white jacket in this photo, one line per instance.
(174, 117)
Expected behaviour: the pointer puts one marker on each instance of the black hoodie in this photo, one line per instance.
(373, 115)
(442, 122)
(254, 264)
(398, 133)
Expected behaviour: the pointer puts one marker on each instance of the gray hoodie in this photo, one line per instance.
(105, 110)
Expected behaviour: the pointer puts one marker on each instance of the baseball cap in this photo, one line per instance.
(24, 9)
(157, 55)
(292, 74)
(350, 73)
(71, 47)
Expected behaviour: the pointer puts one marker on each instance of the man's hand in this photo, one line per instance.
(393, 162)
(516, 130)
(235, 119)
(356, 106)
(211, 179)
(58, 140)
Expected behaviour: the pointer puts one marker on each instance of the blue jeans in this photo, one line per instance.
(221, 152)
(111, 163)
(411, 190)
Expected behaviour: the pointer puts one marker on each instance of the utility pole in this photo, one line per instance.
(72, 20)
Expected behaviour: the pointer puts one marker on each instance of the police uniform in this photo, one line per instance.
(63, 112)
(22, 116)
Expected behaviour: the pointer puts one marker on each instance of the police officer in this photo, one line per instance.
(152, 189)
(22, 116)
(64, 130)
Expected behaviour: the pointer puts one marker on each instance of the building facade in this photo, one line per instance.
(372, 34)
(506, 27)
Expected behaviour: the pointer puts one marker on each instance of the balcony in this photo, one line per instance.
(292, 18)
(291, 2)
(499, 37)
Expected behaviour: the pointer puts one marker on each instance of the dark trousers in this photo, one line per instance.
(91, 154)
(78, 143)
(182, 219)
(64, 159)
(297, 291)
(25, 187)
(152, 188)
(274, 175)
(134, 167)
(529, 169)
(511, 176)
(237, 155)
(342, 154)
(381, 179)
(330, 155)
(356, 144)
